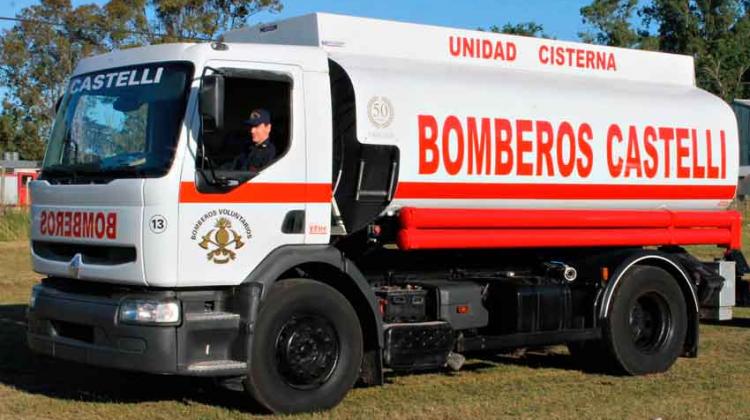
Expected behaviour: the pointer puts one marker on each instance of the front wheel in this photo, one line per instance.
(307, 348)
(647, 326)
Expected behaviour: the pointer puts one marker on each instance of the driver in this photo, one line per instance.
(261, 151)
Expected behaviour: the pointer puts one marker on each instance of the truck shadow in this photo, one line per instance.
(535, 359)
(734, 322)
(548, 359)
(23, 371)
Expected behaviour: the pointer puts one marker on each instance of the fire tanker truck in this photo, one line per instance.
(435, 192)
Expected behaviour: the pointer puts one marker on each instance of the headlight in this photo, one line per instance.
(137, 311)
(34, 293)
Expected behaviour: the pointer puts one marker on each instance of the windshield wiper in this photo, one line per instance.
(123, 170)
(74, 171)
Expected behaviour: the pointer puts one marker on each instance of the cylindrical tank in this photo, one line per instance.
(478, 136)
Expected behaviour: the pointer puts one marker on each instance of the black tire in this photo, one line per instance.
(307, 348)
(647, 324)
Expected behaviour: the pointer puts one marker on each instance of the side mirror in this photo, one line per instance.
(211, 102)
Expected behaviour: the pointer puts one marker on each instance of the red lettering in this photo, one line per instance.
(611, 65)
(559, 56)
(479, 145)
(544, 54)
(482, 48)
(523, 145)
(666, 134)
(585, 135)
(428, 143)
(77, 224)
(512, 51)
(454, 45)
(580, 59)
(111, 225)
(453, 166)
(545, 138)
(613, 133)
(43, 223)
(99, 225)
(50, 223)
(503, 149)
(68, 218)
(59, 224)
(590, 59)
(698, 171)
(682, 152)
(634, 154)
(650, 166)
(487, 49)
(468, 47)
(566, 131)
(88, 225)
(713, 171)
(601, 60)
(723, 155)
(499, 53)
(570, 51)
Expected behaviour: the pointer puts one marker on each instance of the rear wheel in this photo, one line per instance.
(647, 325)
(307, 348)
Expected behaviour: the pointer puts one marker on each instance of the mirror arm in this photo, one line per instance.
(213, 180)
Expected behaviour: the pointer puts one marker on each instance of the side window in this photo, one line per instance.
(257, 125)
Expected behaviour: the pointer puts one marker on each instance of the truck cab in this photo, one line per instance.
(127, 151)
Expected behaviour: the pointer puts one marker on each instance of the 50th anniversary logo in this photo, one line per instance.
(221, 232)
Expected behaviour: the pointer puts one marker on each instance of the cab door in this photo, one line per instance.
(227, 230)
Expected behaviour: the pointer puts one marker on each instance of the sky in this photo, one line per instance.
(560, 18)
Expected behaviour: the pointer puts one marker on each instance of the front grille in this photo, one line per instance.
(87, 288)
(91, 254)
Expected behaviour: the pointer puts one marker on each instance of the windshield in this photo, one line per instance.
(118, 123)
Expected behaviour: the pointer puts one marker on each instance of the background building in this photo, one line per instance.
(15, 176)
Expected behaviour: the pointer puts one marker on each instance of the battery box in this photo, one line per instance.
(402, 303)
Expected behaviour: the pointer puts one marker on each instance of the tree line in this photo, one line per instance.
(38, 53)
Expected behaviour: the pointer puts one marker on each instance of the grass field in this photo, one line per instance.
(538, 384)
(14, 224)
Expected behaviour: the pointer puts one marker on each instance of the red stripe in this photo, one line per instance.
(513, 228)
(254, 192)
(430, 218)
(413, 239)
(455, 190)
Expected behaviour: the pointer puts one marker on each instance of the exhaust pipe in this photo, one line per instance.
(561, 270)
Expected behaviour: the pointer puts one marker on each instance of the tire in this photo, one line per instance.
(307, 348)
(647, 325)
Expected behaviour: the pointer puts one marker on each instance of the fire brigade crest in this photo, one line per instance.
(219, 236)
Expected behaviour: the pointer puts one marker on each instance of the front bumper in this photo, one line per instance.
(81, 325)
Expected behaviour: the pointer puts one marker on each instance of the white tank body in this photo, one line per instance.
(513, 139)
(498, 121)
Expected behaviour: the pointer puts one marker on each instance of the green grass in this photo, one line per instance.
(14, 225)
(538, 384)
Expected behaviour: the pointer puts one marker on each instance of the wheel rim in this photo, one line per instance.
(307, 351)
(650, 322)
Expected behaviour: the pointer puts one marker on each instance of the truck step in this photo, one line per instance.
(213, 321)
(217, 366)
